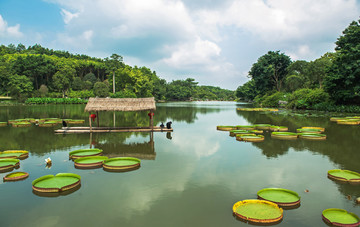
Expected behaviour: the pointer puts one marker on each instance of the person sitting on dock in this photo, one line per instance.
(168, 125)
(162, 125)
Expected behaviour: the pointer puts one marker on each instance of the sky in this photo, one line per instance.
(213, 41)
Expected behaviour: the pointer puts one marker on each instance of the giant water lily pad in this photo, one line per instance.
(262, 126)
(15, 176)
(58, 183)
(258, 211)
(121, 163)
(280, 196)
(344, 175)
(225, 127)
(340, 217)
(19, 154)
(90, 162)
(85, 153)
(276, 128)
(2, 124)
(284, 135)
(8, 164)
(312, 136)
(250, 137)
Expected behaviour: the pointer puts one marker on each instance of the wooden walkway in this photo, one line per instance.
(65, 130)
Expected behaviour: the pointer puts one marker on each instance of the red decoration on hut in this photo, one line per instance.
(93, 116)
(151, 114)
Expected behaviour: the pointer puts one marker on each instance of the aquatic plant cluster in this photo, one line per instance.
(55, 101)
(250, 133)
(69, 182)
(354, 120)
(42, 122)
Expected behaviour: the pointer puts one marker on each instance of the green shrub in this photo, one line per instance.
(307, 98)
(84, 94)
(55, 101)
(271, 99)
(124, 94)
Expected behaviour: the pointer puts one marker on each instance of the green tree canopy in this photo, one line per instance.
(343, 80)
(269, 71)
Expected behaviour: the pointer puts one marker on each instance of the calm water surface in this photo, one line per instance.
(190, 177)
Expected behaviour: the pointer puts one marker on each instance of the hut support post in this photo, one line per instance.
(151, 120)
(114, 118)
(97, 114)
(90, 122)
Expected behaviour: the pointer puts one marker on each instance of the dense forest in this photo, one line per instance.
(330, 83)
(40, 73)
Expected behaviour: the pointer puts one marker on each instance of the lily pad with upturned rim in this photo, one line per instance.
(15, 176)
(258, 211)
(19, 154)
(85, 153)
(2, 124)
(8, 164)
(121, 163)
(90, 162)
(309, 130)
(340, 217)
(312, 136)
(314, 127)
(276, 128)
(344, 175)
(225, 127)
(58, 183)
(284, 135)
(280, 196)
(250, 137)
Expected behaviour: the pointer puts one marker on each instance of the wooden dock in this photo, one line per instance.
(65, 130)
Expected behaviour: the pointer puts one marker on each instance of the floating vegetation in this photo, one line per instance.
(245, 127)
(257, 109)
(262, 126)
(58, 183)
(280, 196)
(85, 153)
(335, 119)
(348, 122)
(225, 128)
(90, 162)
(15, 176)
(21, 124)
(48, 123)
(340, 217)
(2, 124)
(311, 127)
(258, 211)
(284, 135)
(312, 136)
(250, 137)
(71, 121)
(121, 164)
(8, 164)
(19, 154)
(235, 132)
(276, 128)
(31, 120)
(308, 130)
(344, 176)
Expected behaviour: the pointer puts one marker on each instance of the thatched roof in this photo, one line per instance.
(124, 104)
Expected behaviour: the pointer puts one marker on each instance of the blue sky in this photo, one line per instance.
(213, 41)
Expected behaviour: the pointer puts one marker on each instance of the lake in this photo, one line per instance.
(190, 177)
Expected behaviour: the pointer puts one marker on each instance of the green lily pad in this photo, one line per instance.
(280, 196)
(58, 183)
(340, 217)
(85, 153)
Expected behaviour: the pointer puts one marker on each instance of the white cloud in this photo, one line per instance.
(67, 16)
(9, 31)
(182, 37)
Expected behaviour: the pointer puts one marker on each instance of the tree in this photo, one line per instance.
(63, 78)
(77, 84)
(269, 71)
(19, 86)
(43, 90)
(343, 79)
(101, 89)
(318, 70)
(247, 91)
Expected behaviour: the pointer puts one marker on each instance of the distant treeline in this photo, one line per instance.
(37, 71)
(331, 82)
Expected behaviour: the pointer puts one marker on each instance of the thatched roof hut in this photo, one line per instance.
(120, 104)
